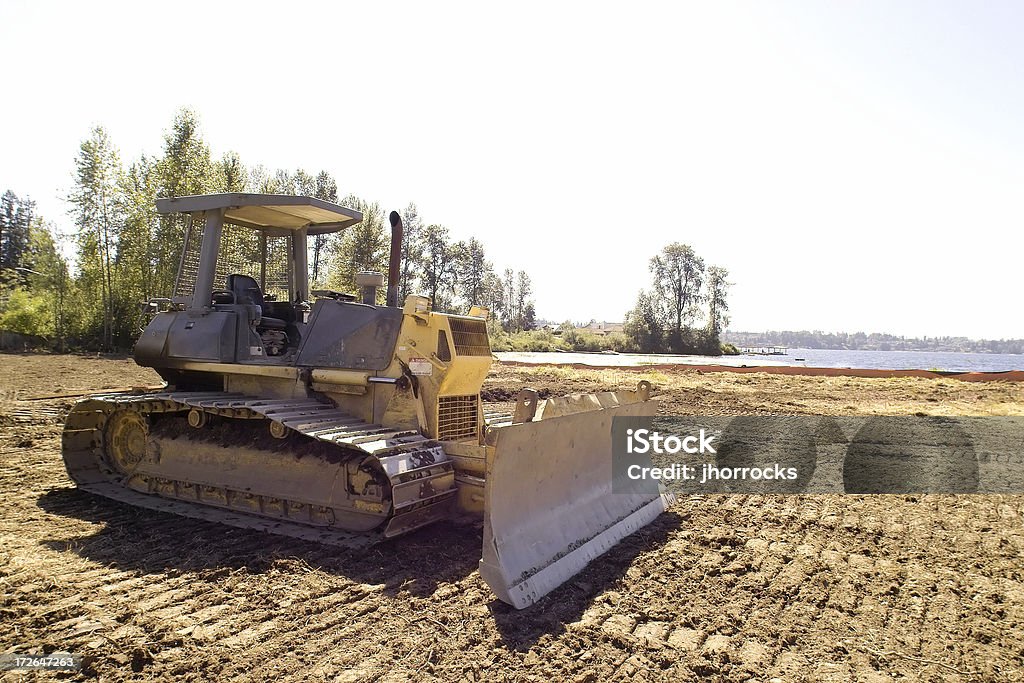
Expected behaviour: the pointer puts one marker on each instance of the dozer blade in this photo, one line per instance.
(549, 505)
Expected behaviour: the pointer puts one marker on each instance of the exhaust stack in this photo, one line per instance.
(394, 264)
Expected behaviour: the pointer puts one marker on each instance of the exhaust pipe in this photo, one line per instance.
(395, 263)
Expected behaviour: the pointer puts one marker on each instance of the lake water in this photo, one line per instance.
(900, 360)
(812, 358)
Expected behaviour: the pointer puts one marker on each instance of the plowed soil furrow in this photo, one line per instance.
(828, 588)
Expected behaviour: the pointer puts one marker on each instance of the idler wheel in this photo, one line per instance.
(126, 440)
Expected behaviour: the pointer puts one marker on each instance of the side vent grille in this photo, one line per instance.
(470, 337)
(457, 417)
(444, 353)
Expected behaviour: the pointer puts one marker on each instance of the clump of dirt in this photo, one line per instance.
(505, 394)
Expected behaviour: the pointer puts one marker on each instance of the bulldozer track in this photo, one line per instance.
(207, 513)
(416, 466)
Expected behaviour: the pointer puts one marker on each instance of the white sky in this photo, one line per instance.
(854, 166)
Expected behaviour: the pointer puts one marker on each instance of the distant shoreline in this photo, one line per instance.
(938, 363)
(876, 341)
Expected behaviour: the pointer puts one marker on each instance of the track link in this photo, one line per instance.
(420, 474)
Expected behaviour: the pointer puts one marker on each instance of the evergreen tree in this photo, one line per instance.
(474, 270)
(325, 188)
(523, 304)
(412, 252)
(15, 218)
(439, 267)
(8, 212)
(494, 296)
(136, 250)
(97, 211)
(231, 174)
(363, 247)
(185, 169)
(304, 183)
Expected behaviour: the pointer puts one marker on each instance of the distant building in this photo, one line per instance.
(602, 328)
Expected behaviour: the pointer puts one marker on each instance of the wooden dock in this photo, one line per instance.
(764, 350)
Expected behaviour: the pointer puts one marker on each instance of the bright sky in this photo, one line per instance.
(855, 166)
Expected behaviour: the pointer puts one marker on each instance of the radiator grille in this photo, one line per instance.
(457, 417)
(470, 337)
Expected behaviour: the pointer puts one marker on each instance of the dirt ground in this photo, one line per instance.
(733, 588)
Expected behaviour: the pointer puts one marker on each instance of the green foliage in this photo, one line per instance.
(473, 271)
(185, 168)
(500, 339)
(439, 266)
(718, 307)
(231, 174)
(27, 312)
(99, 216)
(412, 250)
(15, 219)
(363, 247)
(644, 325)
(729, 349)
(665, 318)
(547, 340)
(325, 188)
(678, 275)
(126, 253)
(537, 340)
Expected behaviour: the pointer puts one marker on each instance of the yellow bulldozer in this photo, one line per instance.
(327, 416)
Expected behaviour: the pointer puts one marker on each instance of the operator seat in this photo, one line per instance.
(247, 291)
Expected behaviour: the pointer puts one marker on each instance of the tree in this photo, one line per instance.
(363, 247)
(678, 275)
(440, 262)
(529, 321)
(718, 308)
(643, 325)
(325, 188)
(494, 296)
(8, 211)
(184, 169)
(508, 295)
(259, 180)
(305, 184)
(523, 318)
(15, 218)
(232, 174)
(284, 183)
(96, 201)
(39, 307)
(136, 256)
(474, 270)
(412, 251)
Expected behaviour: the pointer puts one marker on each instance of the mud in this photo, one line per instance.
(827, 588)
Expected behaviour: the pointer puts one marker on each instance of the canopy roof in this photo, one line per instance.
(261, 211)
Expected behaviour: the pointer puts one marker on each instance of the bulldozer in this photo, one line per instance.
(346, 418)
